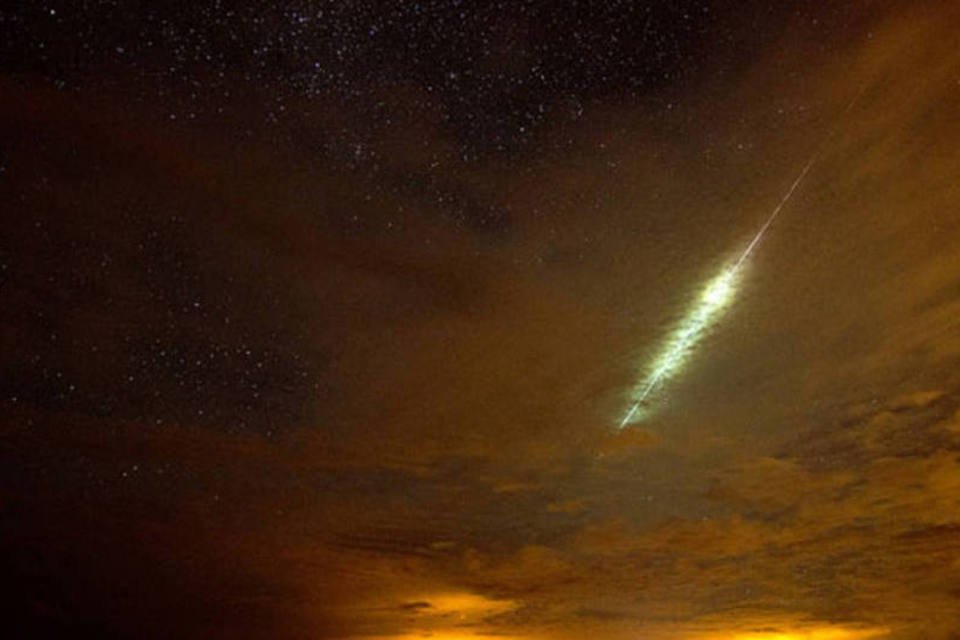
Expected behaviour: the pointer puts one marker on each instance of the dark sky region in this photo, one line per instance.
(317, 320)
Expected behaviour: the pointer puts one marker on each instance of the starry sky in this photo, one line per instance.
(317, 320)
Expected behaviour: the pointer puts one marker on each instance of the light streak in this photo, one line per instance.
(718, 294)
(714, 298)
(776, 211)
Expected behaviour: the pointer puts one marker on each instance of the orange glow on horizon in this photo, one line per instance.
(812, 633)
(464, 604)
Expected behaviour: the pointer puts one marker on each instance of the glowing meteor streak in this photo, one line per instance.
(715, 297)
(776, 211)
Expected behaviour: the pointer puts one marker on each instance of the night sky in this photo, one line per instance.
(318, 320)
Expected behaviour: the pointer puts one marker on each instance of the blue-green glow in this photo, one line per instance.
(717, 295)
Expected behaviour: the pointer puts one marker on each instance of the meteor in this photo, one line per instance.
(717, 295)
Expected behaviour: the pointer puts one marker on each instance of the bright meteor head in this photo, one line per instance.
(720, 290)
(715, 297)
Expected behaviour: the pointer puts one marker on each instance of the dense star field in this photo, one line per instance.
(321, 320)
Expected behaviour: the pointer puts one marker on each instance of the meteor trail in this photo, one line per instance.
(714, 298)
(776, 211)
